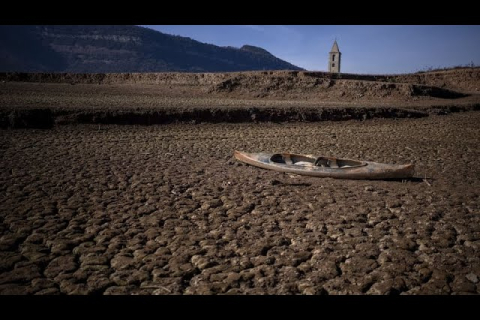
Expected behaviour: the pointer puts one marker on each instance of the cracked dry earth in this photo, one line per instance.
(167, 210)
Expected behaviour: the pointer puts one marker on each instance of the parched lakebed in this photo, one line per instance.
(166, 209)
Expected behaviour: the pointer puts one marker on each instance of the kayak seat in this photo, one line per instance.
(277, 158)
(280, 158)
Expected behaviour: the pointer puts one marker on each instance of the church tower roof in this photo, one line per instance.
(335, 47)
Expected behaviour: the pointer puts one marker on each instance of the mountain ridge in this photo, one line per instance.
(93, 49)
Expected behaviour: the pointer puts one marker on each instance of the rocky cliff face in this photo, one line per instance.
(122, 49)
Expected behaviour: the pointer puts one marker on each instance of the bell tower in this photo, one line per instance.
(334, 59)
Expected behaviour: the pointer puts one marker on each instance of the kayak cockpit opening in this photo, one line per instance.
(337, 163)
(300, 160)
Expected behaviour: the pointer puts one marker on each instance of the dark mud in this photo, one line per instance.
(108, 209)
(46, 118)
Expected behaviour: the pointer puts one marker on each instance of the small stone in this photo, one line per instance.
(201, 262)
(275, 182)
(369, 188)
(472, 277)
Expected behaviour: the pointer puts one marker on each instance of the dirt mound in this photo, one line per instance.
(43, 99)
(274, 86)
(463, 80)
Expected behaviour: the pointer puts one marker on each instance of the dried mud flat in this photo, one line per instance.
(110, 209)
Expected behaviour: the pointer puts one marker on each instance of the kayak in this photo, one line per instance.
(327, 167)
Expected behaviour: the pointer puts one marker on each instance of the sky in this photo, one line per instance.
(366, 49)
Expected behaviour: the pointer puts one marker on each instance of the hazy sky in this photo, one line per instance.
(365, 49)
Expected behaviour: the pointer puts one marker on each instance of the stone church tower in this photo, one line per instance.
(334, 59)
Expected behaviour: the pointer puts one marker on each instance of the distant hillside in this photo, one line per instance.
(87, 49)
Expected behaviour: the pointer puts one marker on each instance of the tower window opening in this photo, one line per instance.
(333, 65)
(333, 57)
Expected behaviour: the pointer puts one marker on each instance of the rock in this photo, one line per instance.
(201, 262)
(369, 188)
(472, 277)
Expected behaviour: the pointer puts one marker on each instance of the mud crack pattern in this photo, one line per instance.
(88, 209)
